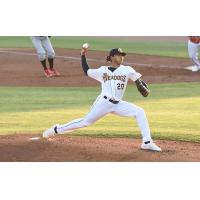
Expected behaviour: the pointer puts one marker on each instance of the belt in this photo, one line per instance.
(112, 101)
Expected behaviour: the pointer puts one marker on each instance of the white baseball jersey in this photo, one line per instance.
(114, 83)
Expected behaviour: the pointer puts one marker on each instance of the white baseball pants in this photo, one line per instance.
(193, 53)
(102, 107)
(43, 47)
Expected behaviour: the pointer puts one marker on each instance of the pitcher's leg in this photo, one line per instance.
(130, 110)
(143, 125)
(73, 125)
(98, 111)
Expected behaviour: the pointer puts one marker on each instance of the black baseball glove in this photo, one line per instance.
(142, 87)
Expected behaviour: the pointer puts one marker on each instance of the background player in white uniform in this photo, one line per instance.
(45, 50)
(113, 80)
(193, 48)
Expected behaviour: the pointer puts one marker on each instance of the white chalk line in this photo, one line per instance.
(71, 58)
(34, 138)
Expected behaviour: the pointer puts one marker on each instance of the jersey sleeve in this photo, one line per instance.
(96, 74)
(133, 75)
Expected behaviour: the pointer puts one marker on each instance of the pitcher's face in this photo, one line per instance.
(117, 59)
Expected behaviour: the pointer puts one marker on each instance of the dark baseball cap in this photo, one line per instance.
(116, 51)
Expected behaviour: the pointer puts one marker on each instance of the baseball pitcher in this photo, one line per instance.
(193, 48)
(44, 49)
(113, 79)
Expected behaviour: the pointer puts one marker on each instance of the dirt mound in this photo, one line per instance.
(80, 148)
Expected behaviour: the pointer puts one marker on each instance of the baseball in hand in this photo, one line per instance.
(85, 46)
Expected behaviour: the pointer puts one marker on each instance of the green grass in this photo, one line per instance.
(172, 110)
(160, 48)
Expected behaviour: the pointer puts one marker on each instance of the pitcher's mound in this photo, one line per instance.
(82, 148)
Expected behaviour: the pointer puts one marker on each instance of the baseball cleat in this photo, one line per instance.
(50, 132)
(47, 73)
(195, 69)
(54, 72)
(150, 146)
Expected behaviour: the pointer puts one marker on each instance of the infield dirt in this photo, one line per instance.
(25, 70)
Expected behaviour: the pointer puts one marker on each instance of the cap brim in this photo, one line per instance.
(123, 54)
(119, 53)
